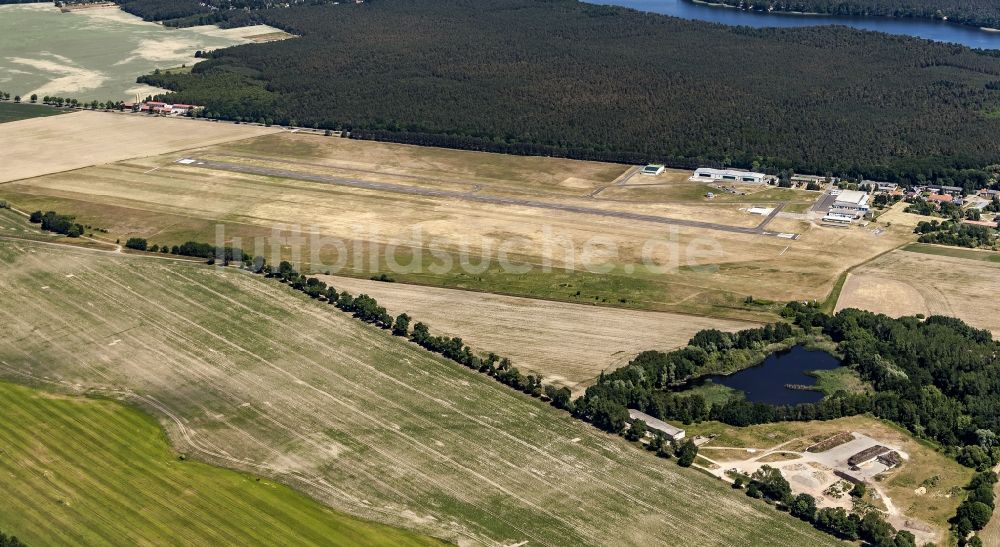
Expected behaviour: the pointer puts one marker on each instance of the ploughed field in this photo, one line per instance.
(246, 373)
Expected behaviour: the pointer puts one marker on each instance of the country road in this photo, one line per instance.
(481, 198)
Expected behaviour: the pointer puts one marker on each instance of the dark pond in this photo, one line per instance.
(940, 31)
(765, 383)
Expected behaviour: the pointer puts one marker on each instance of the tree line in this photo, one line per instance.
(565, 78)
(60, 224)
(224, 254)
(956, 234)
(110, 104)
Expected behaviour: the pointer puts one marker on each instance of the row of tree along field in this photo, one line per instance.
(565, 78)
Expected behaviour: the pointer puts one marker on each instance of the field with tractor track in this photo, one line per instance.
(246, 373)
(85, 472)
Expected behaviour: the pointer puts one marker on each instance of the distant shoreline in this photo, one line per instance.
(946, 20)
(779, 12)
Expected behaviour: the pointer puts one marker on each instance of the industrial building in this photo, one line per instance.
(867, 455)
(729, 175)
(162, 108)
(671, 432)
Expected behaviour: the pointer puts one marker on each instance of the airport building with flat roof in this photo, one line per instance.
(729, 175)
(851, 202)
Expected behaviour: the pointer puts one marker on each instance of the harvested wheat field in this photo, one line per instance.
(38, 146)
(569, 344)
(907, 283)
(246, 373)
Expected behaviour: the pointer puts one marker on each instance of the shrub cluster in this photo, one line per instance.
(60, 224)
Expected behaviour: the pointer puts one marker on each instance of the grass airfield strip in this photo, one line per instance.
(83, 471)
(471, 196)
(170, 203)
(263, 379)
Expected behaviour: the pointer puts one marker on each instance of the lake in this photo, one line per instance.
(95, 53)
(765, 383)
(940, 31)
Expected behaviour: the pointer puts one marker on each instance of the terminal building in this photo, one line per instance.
(729, 175)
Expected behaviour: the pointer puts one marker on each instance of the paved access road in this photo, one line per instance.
(481, 198)
(824, 203)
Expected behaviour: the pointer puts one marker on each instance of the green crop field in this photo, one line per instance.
(11, 112)
(246, 373)
(86, 472)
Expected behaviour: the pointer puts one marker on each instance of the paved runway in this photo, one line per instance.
(481, 198)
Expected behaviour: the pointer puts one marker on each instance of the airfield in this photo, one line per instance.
(568, 225)
(80, 139)
(245, 374)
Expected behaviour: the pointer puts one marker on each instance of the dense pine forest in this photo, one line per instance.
(980, 13)
(570, 79)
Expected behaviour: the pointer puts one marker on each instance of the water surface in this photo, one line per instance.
(940, 31)
(765, 383)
